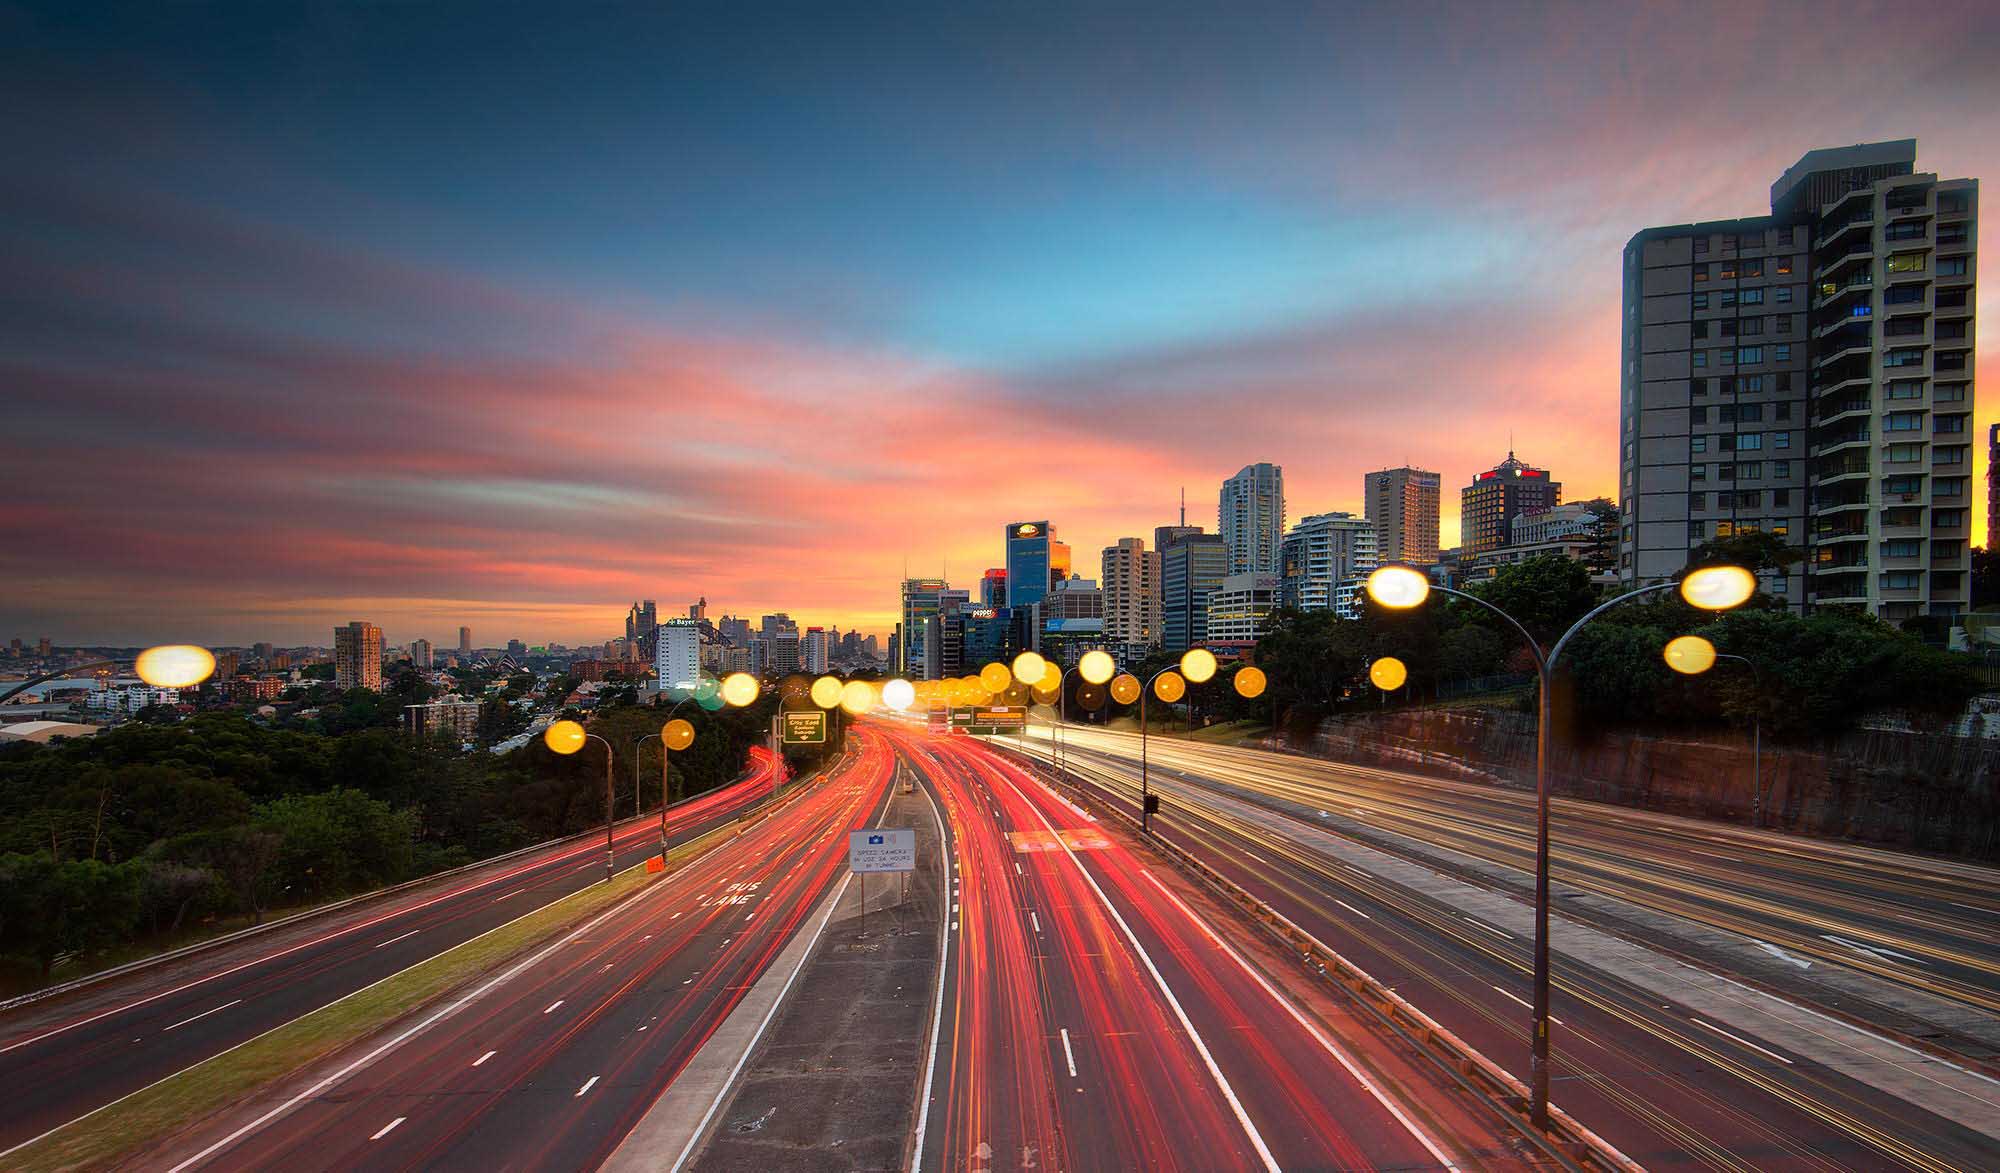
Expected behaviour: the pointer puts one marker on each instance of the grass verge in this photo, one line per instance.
(122, 1128)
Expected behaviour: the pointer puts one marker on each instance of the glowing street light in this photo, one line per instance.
(740, 689)
(1097, 666)
(1388, 673)
(1689, 655)
(826, 692)
(567, 737)
(1196, 664)
(857, 697)
(1029, 668)
(1712, 588)
(899, 694)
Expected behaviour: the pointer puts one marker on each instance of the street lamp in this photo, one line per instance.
(1711, 588)
(567, 737)
(167, 666)
(1692, 655)
(1196, 665)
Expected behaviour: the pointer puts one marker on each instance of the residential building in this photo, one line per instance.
(813, 650)
(922, 599)
(677, 655)
(1251, 518)
(783, 653)
(247, 689)
(1191, 568)
(1036, 561)
(1131, 597)
(1809, 374)
(1992, 490)
(1487, 507)
(263, 651)
(357, 656)
(133, 698)
(452, 719)
(1403, 505)
(44, 648)
(420, 654)
(1549, 523)
(465, 641)
(1238, 611)
(1324, 559)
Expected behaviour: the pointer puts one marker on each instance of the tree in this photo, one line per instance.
(1753, 549)
(48, 909)
(1545, 594)
(1603, 520)
(1986, 575)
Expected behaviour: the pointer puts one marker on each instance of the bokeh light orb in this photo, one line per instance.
(899, 694)
(1097, 666)
(1125, 688)
(1169, 687)
(175, 665)
(826, 691)
(563, 737)
(995, 677)
(1249, 681)
(677, 734)
(1718, 588)
(857, 697)
(740, 689)
(1400, 587)
(1689, 655)
(1198, 665)
(1388, 673)
(1029, 668)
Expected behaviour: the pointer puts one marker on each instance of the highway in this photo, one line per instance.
(1094, 1021)
(551, 1069)
(1670, 1087)
(71, 1054)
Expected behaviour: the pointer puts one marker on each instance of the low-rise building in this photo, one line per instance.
(1238, 612)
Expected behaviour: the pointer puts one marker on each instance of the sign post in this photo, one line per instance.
(804, 726)
(880, 849)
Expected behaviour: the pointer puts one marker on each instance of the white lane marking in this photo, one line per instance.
(1017, 868)
(587, 1085)
(937, 1002)
(389, 1128)
(1436, 1150)
(1712, 855)
(1746, 1042)
(515, 892)
(203, 1014)
(484, 1058)
(1349, 907)
(553, 1005)
(393, 940)
(1975, 908)
(1187, 1024)
(715, 1105)
(1069, 1056)
(1877, 950)
(1528, 1004)
(1037, 921)
(1774, 951)
(1489, 928)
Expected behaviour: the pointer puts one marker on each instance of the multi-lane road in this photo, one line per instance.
(1097, 1021)
(1670, 1064)
(554, 1066)
(70, 1055)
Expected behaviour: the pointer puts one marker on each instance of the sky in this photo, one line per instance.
(508, 316)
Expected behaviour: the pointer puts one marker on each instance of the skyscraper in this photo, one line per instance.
(1251, 518)
(1036, 561)
(1191, 569)
(357, 656)
(922, 600)
(677, 654)
(1403, 505)
(1809, 374)
(1131, 597)
(421, 653)
(1487, 507)
(1325, 558)
(993, 588)
(1992, 491)
(465, 641)
(813, 650)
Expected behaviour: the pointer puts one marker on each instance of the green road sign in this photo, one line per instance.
(804, 727)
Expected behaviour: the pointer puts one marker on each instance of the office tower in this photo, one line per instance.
(264, 652)
(1131, 597)
(677, 655)
(813, 650)
(1036, 561)
(421, 653)
(772, 626)
(465, 641)
(895, 657)
(993, 588)
(43, 648)
(1251, 518)
(782, 653)
(922, 599)
(516, 649)
(1488, 506)
(357, 656)
(943, 651)
(735, 632)
(1403, 505)
(1239, 610)
(1809, 374)
(1167, 535)
(14, 648)
(698, 610)
(1325, 557)
(1190, 571)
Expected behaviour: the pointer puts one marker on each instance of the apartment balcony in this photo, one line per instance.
(1829, 537)
(1842, 473)
(1842, 350)
(1864, 223)
(1858, 315)
(1860, 250)
(1828, 508)
(1834, 292)
(1846, 409)
(1844, 382)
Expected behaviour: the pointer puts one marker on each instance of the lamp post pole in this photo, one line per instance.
(1756, 739)
(1145, 780)
(610, 851)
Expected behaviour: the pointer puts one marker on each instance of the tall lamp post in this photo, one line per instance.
(1712, 588)
(567, 737)
(1692, 655)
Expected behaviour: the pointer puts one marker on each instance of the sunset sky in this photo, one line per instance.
(433, 316)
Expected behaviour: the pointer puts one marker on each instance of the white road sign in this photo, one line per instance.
(882, 849)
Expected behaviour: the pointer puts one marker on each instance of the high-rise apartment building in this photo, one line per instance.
(677, 655)
(357, 656)
(813, 650)
(1131, 596)
(1191, 569)
(1809, 374)
(1325, 558)
(1251, 518)
(465, 641)
(1992, 491)
(923, 599)
(1488, 506)
(1036, 561)
(421, 654)
(1239, 611)
(1403, 505)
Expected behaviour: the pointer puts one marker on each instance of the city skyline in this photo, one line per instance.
(751, 339)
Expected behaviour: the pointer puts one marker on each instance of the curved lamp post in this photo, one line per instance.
(1712, 588)
(567, 737)
(1197, 665)
(1692, 655)
(167, 666)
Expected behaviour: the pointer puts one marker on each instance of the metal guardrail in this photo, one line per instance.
(1567, 1140)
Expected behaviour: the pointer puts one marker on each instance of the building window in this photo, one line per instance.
(1781, 498)
(1943, 456)
(1906, 389)
(1752, 384)
(1784, 293)
(1726, 271)
(1952, 298)
(1750, 470)
(1698, 444)
(1902, 548)
(1903, 357)
(1906, 263)
(1698, 330)
(1701, 272)
(1952, 328)
(1697, 472)
(1697, 531)
(1750, 354)
(1753, 268)
(1781, 469)
(1950, 360)
(1750, 411)
(1906, 486)
(1701, 358)
(1782, 352)
(1783, 379)
(1948, 486)
(1903, 453)
(1781, 410)
(1903, 421)
(1752, 297)
(1783, 266)
(1701, 301)
(1781, 323)
(1948, 424)
(1750, 442)
(1697, 501)
(1700, 245)
(1697, 386)
(1697, 415)
(1902, 580)
(1781, 439)
(1903, 327)
(1947, 518)
(1950, 266)
(1726, 300)
(1904, 230)
(1903, 295)
(1949, 393)
(1946, 549)
(1751, 326)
